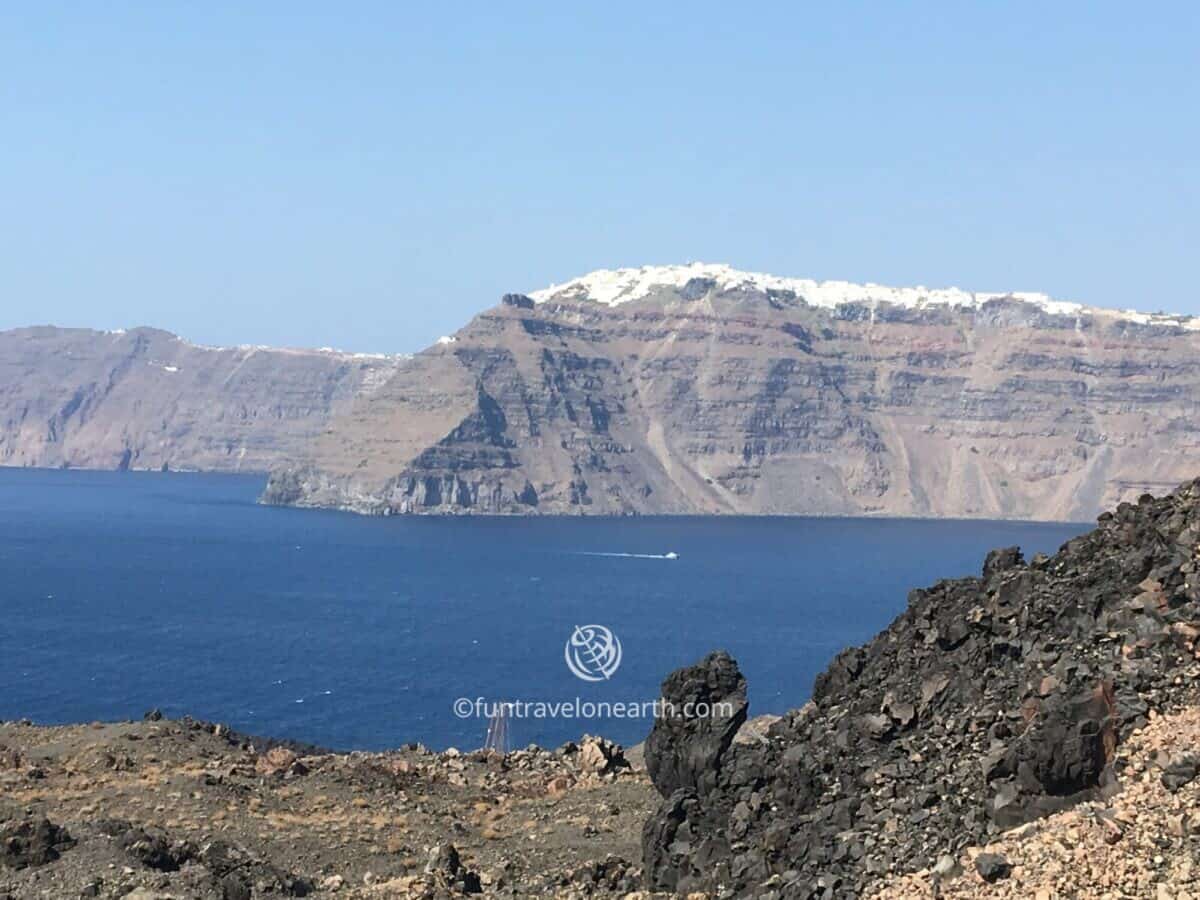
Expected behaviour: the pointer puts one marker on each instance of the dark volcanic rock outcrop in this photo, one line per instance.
(29, 843)
(686, 753)
(990, 701)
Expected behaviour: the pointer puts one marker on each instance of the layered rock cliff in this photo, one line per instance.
(144, 399)
(699, 389)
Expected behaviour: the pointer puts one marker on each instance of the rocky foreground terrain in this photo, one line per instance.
(989, 704)
(182, 809)
(145, 399)
(702, 390)
(1033, 732)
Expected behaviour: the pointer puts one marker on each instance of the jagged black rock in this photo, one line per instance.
(989, 702)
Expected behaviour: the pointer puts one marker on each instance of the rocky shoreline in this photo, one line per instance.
(1031, 732)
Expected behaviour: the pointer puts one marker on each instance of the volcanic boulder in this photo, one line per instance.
(684, 751)
(30, 843)
(704, 706)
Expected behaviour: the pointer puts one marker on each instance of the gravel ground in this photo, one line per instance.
(182, 809)
(157, 810)
(1143, 841)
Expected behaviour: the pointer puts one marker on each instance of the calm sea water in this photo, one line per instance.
(120, 592)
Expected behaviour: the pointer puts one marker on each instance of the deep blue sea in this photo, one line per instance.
(120, 592)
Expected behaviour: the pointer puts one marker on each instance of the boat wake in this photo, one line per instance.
(670, 555)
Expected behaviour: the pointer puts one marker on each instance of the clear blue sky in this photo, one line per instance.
(367, 175)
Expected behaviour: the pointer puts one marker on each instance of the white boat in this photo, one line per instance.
(671, 555)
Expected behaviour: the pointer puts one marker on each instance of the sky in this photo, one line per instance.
(369, 175)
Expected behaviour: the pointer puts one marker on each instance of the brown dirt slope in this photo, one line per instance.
(187, 810)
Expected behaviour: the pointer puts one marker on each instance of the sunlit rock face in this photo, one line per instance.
(146, 399)
(699, 389)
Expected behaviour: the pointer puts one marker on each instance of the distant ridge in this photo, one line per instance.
(146, 399)
(613, 287)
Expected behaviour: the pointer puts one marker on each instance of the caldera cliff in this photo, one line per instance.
(702, 390)
(146, 399)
